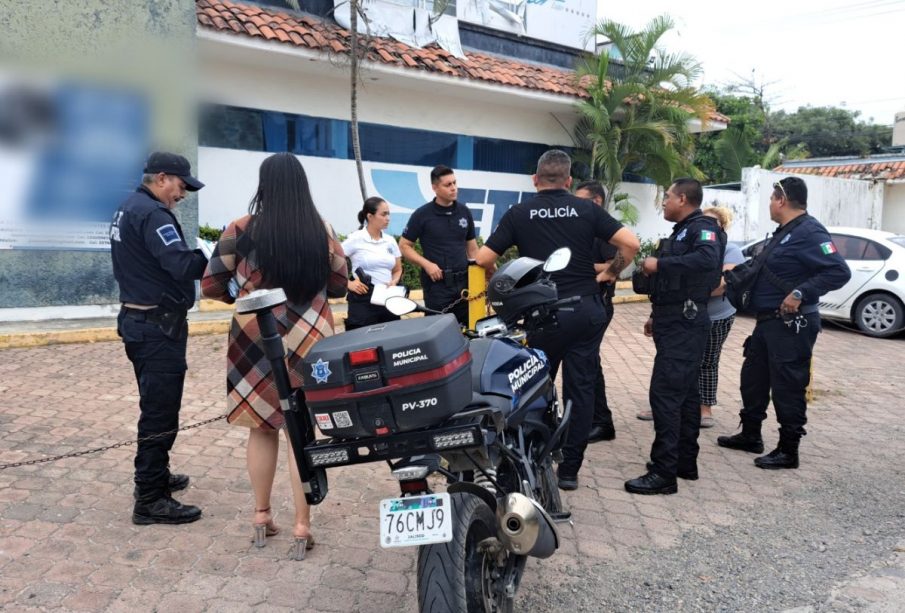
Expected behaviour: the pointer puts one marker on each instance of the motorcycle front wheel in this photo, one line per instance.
(464, 576)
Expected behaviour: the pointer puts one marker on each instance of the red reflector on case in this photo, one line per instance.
(418, 485)
(382, 430)
(363, 357)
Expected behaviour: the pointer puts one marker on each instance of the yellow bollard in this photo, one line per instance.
(477, 283)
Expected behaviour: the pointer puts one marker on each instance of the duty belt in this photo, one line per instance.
(673, 309)
(171, 323)
(453, 276)
(805, 309)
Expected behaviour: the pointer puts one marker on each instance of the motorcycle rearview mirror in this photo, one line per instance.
(558, 260)
(398, 305)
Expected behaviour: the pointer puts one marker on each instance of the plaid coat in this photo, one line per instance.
(252, 399)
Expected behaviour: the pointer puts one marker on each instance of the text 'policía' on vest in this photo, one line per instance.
(555, 213)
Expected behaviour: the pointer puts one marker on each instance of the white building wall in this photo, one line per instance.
(268, 76)
(894, 208)
(834, 202)
(262, 76)
(651, 225)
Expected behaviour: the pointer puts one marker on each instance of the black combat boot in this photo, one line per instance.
(688, 475)
(175, 483)
(164, 510)
(747, 440)
(651, 483)
(605, 432)
(784, 456)
(566, 479)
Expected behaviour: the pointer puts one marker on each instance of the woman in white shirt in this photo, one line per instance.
(375, 260)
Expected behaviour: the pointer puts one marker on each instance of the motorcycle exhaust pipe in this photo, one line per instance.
(525, 528)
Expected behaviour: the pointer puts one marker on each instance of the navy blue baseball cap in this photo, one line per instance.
(173, 164)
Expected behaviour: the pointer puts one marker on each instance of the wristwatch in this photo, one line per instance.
(796, 294)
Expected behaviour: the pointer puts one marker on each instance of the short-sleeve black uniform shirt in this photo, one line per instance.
(443, 232)
(555, 218)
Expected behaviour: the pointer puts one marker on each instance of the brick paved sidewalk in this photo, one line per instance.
(67, 543)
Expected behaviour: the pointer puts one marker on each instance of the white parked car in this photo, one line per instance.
(874, 298)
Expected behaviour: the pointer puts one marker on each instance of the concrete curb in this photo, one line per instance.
(16, 340)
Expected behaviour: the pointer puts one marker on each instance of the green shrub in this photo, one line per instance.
(210, 233)
(411, 274)
(648, 246)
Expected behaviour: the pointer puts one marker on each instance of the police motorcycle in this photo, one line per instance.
(478, 408)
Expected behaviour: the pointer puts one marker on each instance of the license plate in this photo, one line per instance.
(416, 520)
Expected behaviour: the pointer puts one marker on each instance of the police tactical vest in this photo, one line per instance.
(696, 286)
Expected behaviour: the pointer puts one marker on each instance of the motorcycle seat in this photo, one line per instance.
(496, 402)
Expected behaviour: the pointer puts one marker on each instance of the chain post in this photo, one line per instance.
(477, 283)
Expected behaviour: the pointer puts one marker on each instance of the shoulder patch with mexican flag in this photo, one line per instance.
(707, 235)
(827, 248)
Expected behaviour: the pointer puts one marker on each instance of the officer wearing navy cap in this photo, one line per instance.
(156, 272)
(552, 219)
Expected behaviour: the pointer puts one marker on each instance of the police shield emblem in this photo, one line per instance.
(320, 370)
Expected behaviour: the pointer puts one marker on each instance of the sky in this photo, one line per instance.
(844, 53)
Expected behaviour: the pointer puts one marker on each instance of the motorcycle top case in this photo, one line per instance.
(388, 378)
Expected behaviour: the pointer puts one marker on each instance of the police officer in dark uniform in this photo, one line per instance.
(445, 228)
(683, 271)
(602, 428)
(554, 218)
(156, 271)
(800, 268)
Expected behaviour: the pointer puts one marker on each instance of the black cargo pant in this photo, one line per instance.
(603, 416)
(778, 360)
(439, 295)
(575, 343)
(159, 365)
(674, 397)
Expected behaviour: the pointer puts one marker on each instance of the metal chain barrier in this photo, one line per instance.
(464, 297)
(76, 454)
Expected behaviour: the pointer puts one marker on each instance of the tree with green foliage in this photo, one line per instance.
(636, 113)
(758, 136)
(720, 156)
(830, 131)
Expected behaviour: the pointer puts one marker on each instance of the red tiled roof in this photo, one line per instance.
(318, 34)
(884, 170)
(323, 35)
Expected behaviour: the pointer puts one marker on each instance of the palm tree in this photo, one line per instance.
(635, 117)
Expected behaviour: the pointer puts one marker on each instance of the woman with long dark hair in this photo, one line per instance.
(376, 260)
(282, 242)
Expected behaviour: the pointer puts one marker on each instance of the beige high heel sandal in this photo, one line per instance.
(301, 546)
(262, 531)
